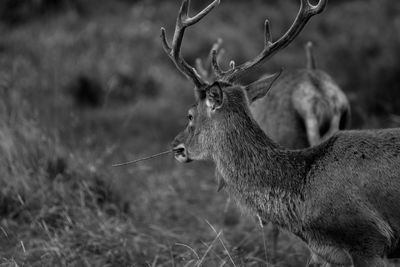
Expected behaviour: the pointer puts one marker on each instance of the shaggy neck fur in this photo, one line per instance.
(262, 177)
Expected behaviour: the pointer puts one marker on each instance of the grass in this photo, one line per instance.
(62, 204)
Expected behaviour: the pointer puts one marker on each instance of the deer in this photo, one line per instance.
(303, 107)
(340, 197)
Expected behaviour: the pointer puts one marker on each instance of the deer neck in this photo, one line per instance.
(263, 177)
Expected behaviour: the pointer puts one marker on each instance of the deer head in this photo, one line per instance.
(217, 113)
(222, 105)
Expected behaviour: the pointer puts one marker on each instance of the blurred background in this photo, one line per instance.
(85, 84)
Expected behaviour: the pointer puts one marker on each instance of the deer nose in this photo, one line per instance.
(179, 148)
(180, 153)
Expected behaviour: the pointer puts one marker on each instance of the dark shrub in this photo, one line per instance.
(86, 91)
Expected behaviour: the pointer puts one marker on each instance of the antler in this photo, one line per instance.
(182, 22)
(311, 64)
(306, 11)
(205, 69)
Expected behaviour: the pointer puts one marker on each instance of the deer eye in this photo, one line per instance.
(190, 117)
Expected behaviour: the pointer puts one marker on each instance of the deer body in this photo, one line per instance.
(337, 196)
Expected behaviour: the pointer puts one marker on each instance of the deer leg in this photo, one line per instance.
(328, 256)
(362, 261)
(316, 261)
(334, 127)
(322, 264)
(312, 128)
(275, 235)
(231, 214)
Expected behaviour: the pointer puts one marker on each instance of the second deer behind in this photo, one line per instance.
(303, 108)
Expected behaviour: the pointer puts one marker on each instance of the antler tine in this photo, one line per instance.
(190, 21)
(267, 34)
(165, 43)
(219, 52)
(205, 67)
(182, 22)
(215, 55)
(306, 11)
(200, 68)
(318, 8)
(214, 63)
(217, 46)
(311, 64)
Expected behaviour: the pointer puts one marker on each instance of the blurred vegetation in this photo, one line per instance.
(85, 84)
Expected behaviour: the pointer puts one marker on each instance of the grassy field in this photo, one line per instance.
(83, 88)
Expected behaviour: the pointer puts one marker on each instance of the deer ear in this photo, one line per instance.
(261, 87)
(214, 97)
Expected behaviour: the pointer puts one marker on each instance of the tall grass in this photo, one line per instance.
(54, 211)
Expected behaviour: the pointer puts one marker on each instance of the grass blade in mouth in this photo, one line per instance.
(141, 159)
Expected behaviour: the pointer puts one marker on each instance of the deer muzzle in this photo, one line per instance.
(181, 153)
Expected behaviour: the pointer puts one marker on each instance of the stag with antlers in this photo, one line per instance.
(339, 197)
